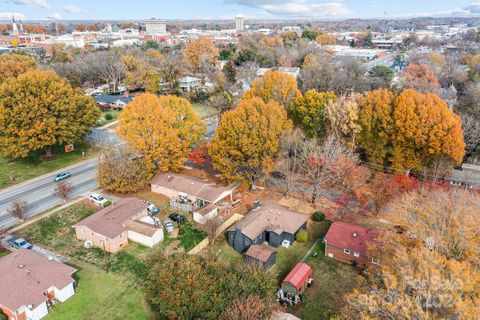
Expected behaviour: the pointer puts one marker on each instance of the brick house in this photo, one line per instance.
(31, 283)
(350, 244)
(110, 228)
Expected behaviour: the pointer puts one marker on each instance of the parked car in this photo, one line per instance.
(168, 226)
(176, 217)
(62, 176)
(151, 208)
(19, 243)
(98, 200)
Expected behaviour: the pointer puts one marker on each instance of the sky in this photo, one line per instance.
(228, 9)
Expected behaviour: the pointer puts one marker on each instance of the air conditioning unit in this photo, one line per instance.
(286, 243)
(88, 244)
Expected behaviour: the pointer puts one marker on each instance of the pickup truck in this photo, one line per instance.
(19, 243)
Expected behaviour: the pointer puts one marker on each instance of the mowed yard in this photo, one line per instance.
(13, 171)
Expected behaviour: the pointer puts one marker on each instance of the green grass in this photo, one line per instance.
(189, 236)
(203, 110)
(103, 121)
(33, 166)
(102, 296)
(226, 254)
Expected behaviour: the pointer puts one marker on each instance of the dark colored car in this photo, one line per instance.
(176, 217)
(62, 176)
(19, 243)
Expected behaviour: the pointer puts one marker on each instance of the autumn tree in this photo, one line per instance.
(63, 190)
(437, 249)
(420, 77)
(377, 125)
(247, 140)
(152, 81)
(122, 171)
(276, 86)
(200, 49)
(13, 65)
(163, 129)
(251, 308)
(210, 227)
(326, 39)
(18, 209)
(136, 71)
(425, 129)
(38, 110)
(200, 155)
(342, 118)
(308, 112)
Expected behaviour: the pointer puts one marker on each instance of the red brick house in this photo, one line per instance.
(350, 243)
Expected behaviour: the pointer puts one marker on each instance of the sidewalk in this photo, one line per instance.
(47, 214)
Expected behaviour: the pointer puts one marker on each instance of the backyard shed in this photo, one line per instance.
(260, 254)
(297, 279)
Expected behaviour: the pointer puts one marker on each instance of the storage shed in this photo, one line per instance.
(297, 279)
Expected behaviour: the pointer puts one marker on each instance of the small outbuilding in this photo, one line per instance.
(297, 280)
(261, 255)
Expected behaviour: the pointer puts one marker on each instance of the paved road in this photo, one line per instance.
(39, 193)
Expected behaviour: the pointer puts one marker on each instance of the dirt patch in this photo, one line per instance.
(63, 231)
(174, 248)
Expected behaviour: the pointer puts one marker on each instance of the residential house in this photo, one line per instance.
(31, 283)
(450, 96)
(297, 280)
(294, 72)
(260, 255)
(271, 223)
(191, 194)
(107, 101)
(261, 71)
(112, 227)
(188, 83)
(350, 243)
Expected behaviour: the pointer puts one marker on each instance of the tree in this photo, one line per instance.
(301, 236)
(210, 227)
(18, 209)
(310, 34)
(163, 129)
(342, 119)
(425, 130)
(136, 72)
(152, 81)
(287, 173)
(172, 68)
(13, 65)
(202, 47)
(247, 140)
(221, 101)
(367, 40)
(63, 190)
(3, 316)
(38, 110)
(471, 136)
(380, 77)
(276, 86)
(250, 308)
(122, 171)
(308, 112)
(420, 77)
(377, 126)
(437, 249)
(230, 71)
(200, 155)
(326, 40)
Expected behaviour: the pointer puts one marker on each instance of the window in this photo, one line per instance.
(375, 261)
(346, 251)
(356, 254)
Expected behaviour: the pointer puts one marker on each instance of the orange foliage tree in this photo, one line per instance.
(199, 49)
(420, 77)
(326, 39)
(276, 86)
(12, 65)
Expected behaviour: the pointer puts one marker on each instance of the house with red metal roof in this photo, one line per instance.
(350, 243)
(297, 280)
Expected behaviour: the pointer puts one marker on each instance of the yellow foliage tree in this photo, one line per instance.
(38, 110)
(326, 40)
(425, 129)
(377, 126)
(162, 129)
(277, 86)
(12, 65)
(342, 118)
(247, 140)
(201, 48)
(136, 72)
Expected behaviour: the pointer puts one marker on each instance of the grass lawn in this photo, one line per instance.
(226, 254)
(102, 296)
(33, 166)
(203, 110)
(103, 117)
(333, 280)
(189, 236)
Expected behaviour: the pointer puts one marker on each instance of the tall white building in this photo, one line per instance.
(240, 22)
(156, 26)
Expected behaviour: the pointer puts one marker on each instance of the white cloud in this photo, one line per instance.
(70, 8)
(472, 9)
(55, 16)
(39, 3)
(8, 15)
(297, 8)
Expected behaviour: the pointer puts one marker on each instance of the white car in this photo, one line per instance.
(168, 226)
(98, 200)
